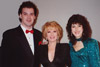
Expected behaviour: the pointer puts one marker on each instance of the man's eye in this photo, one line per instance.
(25, 13)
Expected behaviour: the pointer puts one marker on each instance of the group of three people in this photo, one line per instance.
(22, 47)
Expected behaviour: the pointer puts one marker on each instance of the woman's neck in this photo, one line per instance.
(52, 44)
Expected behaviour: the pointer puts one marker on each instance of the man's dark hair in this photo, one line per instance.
(28, 4)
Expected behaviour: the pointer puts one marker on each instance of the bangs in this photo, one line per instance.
(51, 28)
(77, 23)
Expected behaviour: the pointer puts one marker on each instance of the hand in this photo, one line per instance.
(44, 43)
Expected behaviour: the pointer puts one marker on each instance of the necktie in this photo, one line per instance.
(31, 31)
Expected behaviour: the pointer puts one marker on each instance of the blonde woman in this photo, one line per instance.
(53, 54)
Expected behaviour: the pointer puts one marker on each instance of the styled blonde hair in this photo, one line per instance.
(49, 25)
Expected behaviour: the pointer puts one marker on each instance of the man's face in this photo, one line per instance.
(27, 17)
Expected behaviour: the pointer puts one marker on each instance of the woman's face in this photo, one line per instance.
(77, 30)
(52, 35)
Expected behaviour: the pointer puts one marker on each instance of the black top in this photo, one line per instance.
(61, 58)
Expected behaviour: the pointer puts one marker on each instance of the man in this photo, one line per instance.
(19, 45)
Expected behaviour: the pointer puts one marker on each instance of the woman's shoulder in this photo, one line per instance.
(91, 40)
(42, 46)
(70, 44)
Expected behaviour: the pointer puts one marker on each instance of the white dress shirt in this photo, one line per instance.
(29, 37)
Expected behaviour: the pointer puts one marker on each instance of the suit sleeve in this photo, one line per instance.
(5, 49)
(68, 56)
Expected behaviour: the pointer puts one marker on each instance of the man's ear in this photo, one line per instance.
(20, 16)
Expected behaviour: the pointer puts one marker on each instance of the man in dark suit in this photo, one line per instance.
(19, 45)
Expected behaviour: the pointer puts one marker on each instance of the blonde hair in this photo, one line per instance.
(52, 24)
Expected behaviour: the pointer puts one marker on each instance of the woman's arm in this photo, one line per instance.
(94, 54)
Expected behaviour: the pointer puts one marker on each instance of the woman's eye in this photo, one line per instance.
(54, 31)
(80, 25)
(73, 26)
(48, 31)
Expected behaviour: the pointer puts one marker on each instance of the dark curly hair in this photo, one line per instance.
(28, 4)
(82, 20)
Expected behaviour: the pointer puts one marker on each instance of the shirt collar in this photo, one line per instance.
(23, 28)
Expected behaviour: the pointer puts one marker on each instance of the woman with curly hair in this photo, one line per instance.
(84, 50)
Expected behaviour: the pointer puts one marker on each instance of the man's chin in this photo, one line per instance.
(29, 25)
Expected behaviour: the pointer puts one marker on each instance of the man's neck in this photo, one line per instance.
(27, 27)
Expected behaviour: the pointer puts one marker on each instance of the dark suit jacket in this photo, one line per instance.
(0, 56)
(16, 51)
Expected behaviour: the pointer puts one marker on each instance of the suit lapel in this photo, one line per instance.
(24, 43)
(35, 39)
